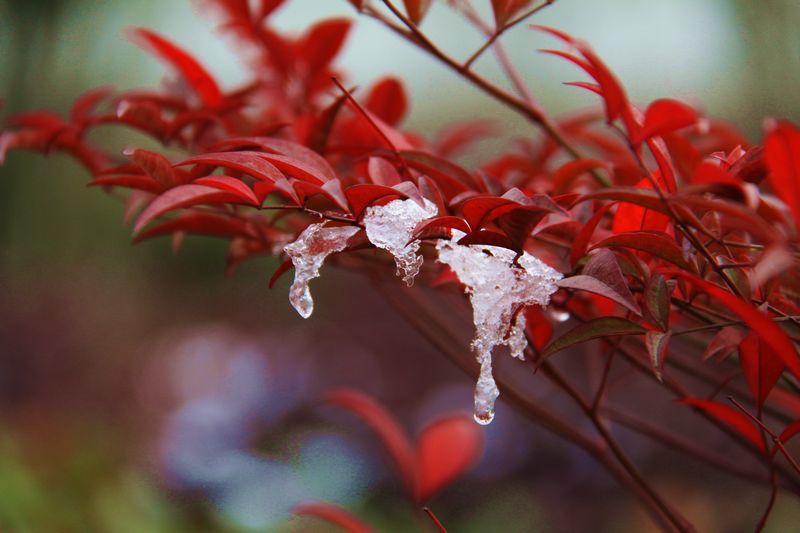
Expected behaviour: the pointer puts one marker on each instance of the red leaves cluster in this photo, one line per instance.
(665, 223)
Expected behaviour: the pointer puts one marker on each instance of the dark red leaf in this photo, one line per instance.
(157, 167)
(781, 149)
(657, 244)
(584, 236)
(193, 72)
(382, 172)
(478, 208)
(322, 43)
(439, 227)
(505, 9)
(282, 268)
(250, 163)
(762, 368)
(593, 329)
(183, 196)
(602, 275)
(489, 238)
(363, 195)
(387, 100)
(731, 417)
(724, 343)
(417, 9)
(568, 172)
(790, 431)
(230, 184)
(665, 116)
(133, 181)
(198, 223)
(657, 301)
(446, 449)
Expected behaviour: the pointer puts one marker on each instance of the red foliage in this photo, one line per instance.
(667, 225)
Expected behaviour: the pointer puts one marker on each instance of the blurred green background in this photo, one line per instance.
(88, 323)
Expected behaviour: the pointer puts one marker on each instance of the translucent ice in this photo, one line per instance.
(391, 226)
(498, 289)
(307, 254)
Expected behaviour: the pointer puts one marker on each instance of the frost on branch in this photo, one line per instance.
(391, 226)
(307, 254)
(497, 290)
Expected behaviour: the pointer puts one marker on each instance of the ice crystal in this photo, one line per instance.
(391, 226)
(498, 289)
(308, 253)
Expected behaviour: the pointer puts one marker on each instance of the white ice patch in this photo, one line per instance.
(308, 253)
(391, 226)
(497, 289)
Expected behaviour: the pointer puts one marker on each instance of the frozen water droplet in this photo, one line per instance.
(391, 226)
(486, 393)
(308, 253)
(497, 289)
(559, 315)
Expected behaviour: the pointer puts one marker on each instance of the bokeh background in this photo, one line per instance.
(142, 391)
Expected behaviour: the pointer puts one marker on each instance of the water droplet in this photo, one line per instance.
(559, 315)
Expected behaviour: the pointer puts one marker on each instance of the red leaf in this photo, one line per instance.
(790, 431)
(731, 417)
(297, 152)
(183, 196)
(761, 367)
(382, 172)
(593, 329)
(86, 102)
(537, 327)
(446, 449)
(451, 178)
(193, 72)
(505, 9)
(782, 154)
(769, 333)
(602, 275)
(322, 43)
(478, 208)
(417, 9)
(489, 238)
(334, 514)
(632, 217)
(250, 163)
(157, 166)
(657, 244)
(386, 426)
(724, 343)
(439, 227)
(665, 116)
(657, 301)
(362, 196)
(230, 184)
(568, 172)
(387, 100)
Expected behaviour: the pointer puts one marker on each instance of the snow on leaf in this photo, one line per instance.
(497, 289)
(392, 226)
(308, 253)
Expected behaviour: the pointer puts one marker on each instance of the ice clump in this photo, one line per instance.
(391, 226)
(307, 253)
(497, 289)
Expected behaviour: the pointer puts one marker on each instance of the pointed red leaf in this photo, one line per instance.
(322, 43)
(503, 10)
(664, 116)
(183, 196)
(762, 368)
(602, 275)
(192, 71)
(230, 184)
(657, 244)
(581, 242)
(657, 344)
(198, 223)
(781, 150)
(417, 9)
(282, 269)
(134, 181)
(632, 217)
(593, 329)
(382, 172)
(439, 227)
(250, 163)
(363, 195)
(729, 416)
(157, 166)
(387, 100)
(790, 431)
(446, 449)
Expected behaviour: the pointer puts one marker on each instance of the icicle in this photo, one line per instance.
(391, 226)
(485, 393)
(307, 254)
(497, 289)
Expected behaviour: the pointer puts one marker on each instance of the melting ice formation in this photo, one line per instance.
(497, 288)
